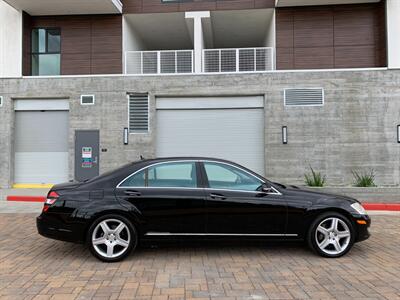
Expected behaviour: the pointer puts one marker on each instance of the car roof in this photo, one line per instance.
(172, 158)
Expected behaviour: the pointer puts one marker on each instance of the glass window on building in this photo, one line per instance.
(46, 51)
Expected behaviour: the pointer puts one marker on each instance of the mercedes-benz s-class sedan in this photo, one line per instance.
(196, 198)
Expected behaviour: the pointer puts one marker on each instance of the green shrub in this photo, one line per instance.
(365, 179)
(315, 178)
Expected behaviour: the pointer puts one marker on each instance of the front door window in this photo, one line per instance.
(222, 176)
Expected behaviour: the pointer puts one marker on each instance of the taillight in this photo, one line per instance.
(51, 199)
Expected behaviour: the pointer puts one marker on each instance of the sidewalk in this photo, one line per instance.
(33, 266)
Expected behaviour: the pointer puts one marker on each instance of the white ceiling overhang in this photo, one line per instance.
(67, 7)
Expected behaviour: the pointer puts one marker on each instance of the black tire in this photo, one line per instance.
(312, 238)
(133, 238)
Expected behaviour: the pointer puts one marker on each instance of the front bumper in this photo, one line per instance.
(49, 226)
(362, 229)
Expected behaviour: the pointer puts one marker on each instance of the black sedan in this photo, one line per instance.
(196, 198)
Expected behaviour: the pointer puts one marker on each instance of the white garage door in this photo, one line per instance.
(231, 128)
(41, 144)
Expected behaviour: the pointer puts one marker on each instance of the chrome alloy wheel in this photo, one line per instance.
(111, 238)
(332, 236)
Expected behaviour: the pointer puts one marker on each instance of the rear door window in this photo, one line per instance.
(173, 174)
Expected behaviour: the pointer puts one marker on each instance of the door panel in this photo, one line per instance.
(245, 212)
(167, 210)
(167, 197)
(86, 154)
(235, 202)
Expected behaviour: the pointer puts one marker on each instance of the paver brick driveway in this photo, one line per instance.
(33, 267)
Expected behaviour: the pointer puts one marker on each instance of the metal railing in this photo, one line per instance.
(159, 62)
(238, 60)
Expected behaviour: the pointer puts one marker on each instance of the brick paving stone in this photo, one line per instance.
(33, 267)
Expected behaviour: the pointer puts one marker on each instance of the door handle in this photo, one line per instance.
(217, 196)
(132, 193)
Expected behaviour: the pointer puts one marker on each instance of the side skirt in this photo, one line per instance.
(222, 234)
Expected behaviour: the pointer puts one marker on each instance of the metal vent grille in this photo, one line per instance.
(138, 113)
(304, 97)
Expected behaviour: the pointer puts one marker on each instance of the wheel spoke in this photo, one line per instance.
(99, 241)
(119, 228)
(334, 225)
(105, 227)
(324, 243)
(122, 242)
(322, 230)
(110, 250)
(343, 234)
(337, 246)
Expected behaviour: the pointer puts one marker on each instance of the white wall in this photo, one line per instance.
(270, 39)
(130, 38)
(10, 41)
(393, 33)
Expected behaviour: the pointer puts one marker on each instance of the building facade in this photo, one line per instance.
(277, 86)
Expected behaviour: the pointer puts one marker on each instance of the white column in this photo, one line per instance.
(393, 33)
(198, 36)
(10, 41)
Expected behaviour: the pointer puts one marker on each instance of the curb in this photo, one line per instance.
(382, 206)
(26, 198)
(367, 206)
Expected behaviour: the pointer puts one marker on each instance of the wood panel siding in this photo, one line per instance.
(157, 6)
(89, 44)
(335, 36)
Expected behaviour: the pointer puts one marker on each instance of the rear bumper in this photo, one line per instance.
(362, 229)
(48, 226)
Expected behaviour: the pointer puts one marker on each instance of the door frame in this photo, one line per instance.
(98, 158)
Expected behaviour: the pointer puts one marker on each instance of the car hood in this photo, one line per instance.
(316, 196)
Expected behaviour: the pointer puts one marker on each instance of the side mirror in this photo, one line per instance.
(267, 189)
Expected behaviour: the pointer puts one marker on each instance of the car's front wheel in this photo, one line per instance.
(111, 238)
(331, 235)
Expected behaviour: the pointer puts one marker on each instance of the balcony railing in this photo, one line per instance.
(159, 62)
(238, 60)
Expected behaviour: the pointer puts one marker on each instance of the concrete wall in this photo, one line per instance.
(10, 41)
(355, 130)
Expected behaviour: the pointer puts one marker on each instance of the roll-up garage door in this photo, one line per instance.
(231, 128)
(41, 146)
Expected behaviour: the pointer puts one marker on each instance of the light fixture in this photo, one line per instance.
(398, 133)
(126, 135)
(284, 135)
(87, 99)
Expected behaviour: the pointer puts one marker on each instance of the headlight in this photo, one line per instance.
(359, 208)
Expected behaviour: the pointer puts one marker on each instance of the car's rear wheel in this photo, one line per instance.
(331, 235)
(111, 238)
